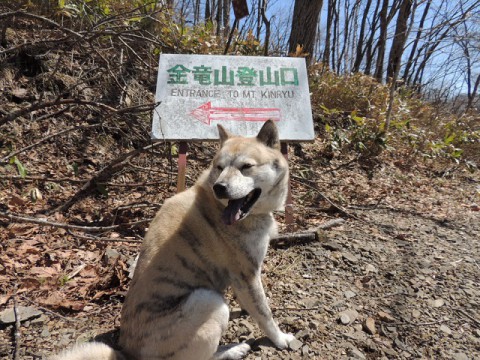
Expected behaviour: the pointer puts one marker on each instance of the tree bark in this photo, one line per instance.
(328, 33)
(382, 41)
(400, 37)
(411, 57)
(360, 52)
(304, 26)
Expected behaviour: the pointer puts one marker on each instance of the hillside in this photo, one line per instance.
(80, 180)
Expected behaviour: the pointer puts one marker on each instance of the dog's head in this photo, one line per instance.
(249, 175)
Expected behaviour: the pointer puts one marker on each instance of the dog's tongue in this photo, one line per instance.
(232, 212)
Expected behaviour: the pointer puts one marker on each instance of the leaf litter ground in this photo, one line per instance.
(398, 279)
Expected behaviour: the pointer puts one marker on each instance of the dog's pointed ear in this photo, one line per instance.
(224, 134)
(268, 135)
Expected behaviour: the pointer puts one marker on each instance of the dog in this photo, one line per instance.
(203, 240)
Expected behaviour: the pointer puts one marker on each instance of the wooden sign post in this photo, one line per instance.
(197, 92)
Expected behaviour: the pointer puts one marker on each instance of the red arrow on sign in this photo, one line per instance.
(206, 114)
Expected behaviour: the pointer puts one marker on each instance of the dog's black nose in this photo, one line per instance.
(220, 190)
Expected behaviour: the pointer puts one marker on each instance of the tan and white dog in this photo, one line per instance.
(203, 240)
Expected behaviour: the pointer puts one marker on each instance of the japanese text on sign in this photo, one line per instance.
(242, 76)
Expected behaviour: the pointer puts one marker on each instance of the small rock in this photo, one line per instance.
(436, 303)
(235, 313)
(354, 353)
(24, 313)
(349, 294)
(350, 257)
(369, 326)
(332, 246)
(45, 333)
(42, 319)
(305, 350)
(389, 351)
(460, 356)
(133, 265)
(399, 344)
(370, 268)
(445, 329)
(302, 334)
(416, 313)
(262, 344)
(476, 332)
(348, 316)
(386, 317)
(247, 325)
(110, 256)
(295, 344)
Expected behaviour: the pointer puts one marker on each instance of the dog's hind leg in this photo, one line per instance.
(196, 335)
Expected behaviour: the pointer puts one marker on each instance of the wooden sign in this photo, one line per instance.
(240, 8)
(197, 92)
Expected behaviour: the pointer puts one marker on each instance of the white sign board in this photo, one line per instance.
(197, 92)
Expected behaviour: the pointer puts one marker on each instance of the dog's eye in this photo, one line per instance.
(246, 166)
(219, 168)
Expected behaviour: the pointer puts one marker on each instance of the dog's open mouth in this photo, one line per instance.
(239, 208)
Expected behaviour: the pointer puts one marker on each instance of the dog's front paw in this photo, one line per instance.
(282, 340)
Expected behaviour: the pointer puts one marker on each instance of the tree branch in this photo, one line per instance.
(43, 222)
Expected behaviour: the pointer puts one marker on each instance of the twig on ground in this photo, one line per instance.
(17, 332)
(464, 313)
(304, 237)
(98, 238)
(46, 104)
(140, 204)
(317, 308)
(40, 178)
(81, 181)
(114, 166)
(313, 186)
(43, 222)
(80, 127)
(45, 309)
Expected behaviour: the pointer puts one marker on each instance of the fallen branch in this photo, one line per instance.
(304, 237)
(100, 176)
(464, 313)
(46, 104)
(15, 153)
(80, 181)
(99, 238)
(43, 222)
(313, 186)
(46, 310)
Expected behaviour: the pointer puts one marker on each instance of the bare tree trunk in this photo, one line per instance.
(227, 4)
(259, 18)
(328, 33)
(267, 27)
(409, 63)
(336, 46)
(218, 16)
(304, 26)
(370, 50)
(196, 13)
(382, 41)
(208, 12)
(346, 34)
(398, 44)
(360, 52)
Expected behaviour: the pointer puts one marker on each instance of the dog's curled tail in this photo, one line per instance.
(89, 351)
